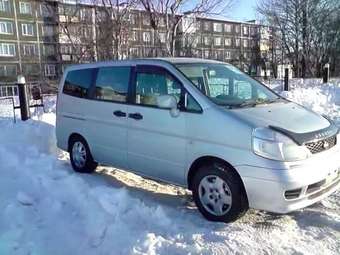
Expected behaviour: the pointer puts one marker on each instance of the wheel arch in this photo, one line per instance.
(204, 160)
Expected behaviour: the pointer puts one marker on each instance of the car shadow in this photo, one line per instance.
(153, 193)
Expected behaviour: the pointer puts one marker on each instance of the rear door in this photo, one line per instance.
(156, 140)
(106, 115)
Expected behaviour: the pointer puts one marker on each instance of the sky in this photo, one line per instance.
(243, 10)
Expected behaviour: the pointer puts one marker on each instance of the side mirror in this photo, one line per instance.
(168, 102)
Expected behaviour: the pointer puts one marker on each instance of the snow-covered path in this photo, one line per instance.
(46, 208)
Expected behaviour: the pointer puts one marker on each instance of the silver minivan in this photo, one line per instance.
(200, 124)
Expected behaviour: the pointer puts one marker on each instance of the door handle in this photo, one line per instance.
(136, 116)
(119, 114)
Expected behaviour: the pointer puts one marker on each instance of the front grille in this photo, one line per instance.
(322, 145)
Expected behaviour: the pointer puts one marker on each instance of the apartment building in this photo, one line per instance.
(246, 45)
(28, 42)
(39, 38)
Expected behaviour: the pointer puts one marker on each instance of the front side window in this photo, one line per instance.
(225, 85)
(78, 82)
(112, 83)
(151, 85)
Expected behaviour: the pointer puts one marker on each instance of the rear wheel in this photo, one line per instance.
(80, 156)
(218, 193)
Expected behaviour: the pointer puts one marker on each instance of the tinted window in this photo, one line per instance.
(151, 85)
(78, 82)
(112, 83)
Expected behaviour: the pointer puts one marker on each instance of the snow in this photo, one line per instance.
(46, 208)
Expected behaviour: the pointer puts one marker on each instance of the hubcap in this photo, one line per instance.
(79, 154)
(215, 195)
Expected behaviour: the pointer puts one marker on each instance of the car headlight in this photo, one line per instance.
(274, 145)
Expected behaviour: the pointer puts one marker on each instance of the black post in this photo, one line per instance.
(286, 85)
(326, 73)
(23, 99)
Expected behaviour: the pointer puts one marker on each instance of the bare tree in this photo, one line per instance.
(167, 15)
(112, 24)
(74, 31)
(308, 29)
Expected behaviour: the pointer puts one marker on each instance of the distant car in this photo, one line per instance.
(200, 124)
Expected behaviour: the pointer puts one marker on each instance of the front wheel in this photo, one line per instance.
(80, 156)
(218, 193)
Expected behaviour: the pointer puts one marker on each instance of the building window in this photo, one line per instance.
(245, 30)
(64, 49)
(237, 42)
(206, 40)
(134, 36)
(85, 14)
(237, 29)
(133, 19)
(134, 52)
(6, 27)
(206, 54)
(8, 70)
(162, 37)
(146, 36)
(227, 28)
(46, 10)
(206, 26)
(29, 50)
(7, 49)
(217, 27)
(227, 41)
(4, 6)
(50, 70)
(25, 8)
(31, 69)
(49, 50)
(161, 22)
(218, 41)
(48, 30)
(146, 21)
(27, 29)
(227, 55)
(245, 43)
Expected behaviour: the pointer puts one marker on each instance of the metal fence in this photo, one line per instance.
(9, 100)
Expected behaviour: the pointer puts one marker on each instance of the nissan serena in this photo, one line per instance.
(200, 124)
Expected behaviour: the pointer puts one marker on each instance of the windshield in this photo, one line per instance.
(226, 85)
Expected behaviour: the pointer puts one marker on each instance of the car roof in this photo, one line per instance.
(180, 60)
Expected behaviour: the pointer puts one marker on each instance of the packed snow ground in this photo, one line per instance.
(46, 208)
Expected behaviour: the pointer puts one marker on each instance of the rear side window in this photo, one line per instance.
(112, 83)
(78, 82)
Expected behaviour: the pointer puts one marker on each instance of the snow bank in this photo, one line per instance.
(46, 208)
(324, 99)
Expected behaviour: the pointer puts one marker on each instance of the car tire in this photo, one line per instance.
(219, 193)
(80, 156)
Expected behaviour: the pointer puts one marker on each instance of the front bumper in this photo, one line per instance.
(295, 186)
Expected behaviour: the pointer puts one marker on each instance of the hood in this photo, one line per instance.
(285, 115)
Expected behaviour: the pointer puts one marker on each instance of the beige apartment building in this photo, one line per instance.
(39, 38)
